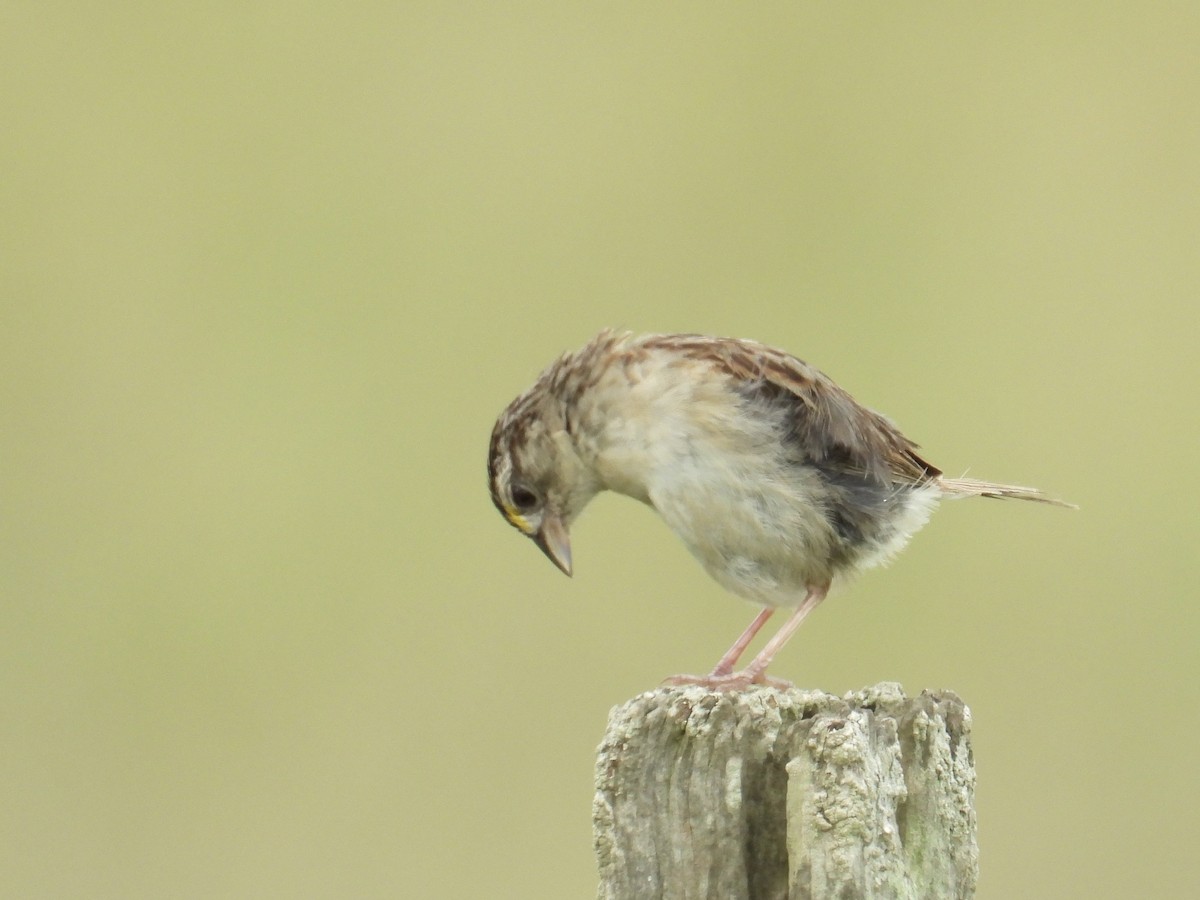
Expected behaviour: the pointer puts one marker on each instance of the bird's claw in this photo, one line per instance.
(729, 681)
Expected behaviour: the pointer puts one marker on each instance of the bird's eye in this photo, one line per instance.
(524, 499)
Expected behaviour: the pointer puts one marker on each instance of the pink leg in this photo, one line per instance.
(734, 653)
(722, 679)
(758, 666)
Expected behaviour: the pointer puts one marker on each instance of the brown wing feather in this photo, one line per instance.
(832, 428)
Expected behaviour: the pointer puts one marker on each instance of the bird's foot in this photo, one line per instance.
(729, 681)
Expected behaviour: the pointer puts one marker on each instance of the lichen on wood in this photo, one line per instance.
(768, 794)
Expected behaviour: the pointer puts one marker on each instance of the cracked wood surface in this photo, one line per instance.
(780, 795)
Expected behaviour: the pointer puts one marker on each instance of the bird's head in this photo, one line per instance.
(536, 477)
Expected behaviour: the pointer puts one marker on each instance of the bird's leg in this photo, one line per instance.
(734, 653)
(754, 671)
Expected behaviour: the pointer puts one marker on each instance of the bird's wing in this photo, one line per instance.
(831, 428)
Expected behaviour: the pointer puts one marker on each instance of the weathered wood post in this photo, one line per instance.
(779, 795)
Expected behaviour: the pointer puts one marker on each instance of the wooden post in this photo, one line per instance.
(780, 795)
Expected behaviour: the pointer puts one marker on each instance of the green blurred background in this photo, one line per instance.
(269, 272)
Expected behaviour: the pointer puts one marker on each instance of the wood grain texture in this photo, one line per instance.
(768, 794)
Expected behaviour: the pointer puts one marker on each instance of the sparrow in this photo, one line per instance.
(775, 479)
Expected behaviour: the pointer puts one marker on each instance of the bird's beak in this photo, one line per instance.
(555, 542)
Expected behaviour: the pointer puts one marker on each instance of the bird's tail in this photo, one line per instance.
(973, 487)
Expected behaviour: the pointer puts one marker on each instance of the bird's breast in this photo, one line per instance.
(756, 526)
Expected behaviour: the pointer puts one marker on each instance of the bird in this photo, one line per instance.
(776, 480)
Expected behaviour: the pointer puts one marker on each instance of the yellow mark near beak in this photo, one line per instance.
(517, 519)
